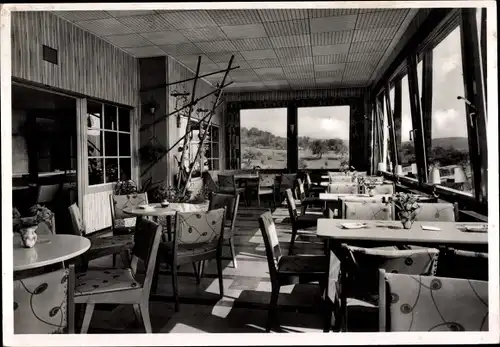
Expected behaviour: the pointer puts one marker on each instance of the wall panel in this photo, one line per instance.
(87, 65)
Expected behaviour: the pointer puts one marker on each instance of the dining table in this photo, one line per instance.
(156, 210)
(470, 235)
(48, 250)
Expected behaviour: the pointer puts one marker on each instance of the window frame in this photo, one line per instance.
(473, 48)
(102, 133)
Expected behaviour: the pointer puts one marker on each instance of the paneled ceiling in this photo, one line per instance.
(276, 49)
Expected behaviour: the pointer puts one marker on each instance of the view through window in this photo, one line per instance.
(263, 138)
(450, 147)
(323, 137)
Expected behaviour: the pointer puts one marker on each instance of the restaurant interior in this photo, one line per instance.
(259, 170)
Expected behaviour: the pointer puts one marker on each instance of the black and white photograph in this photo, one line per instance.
(266, 173)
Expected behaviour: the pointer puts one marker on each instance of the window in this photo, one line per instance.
(449, 142)
(209, 158)
(108, 143)
(385, 129)
(323, 137)
(263, 138)
(408, 159)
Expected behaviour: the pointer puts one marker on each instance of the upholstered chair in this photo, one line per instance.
(100, 246)
(343, 188)
(443, 212)
(266, 186)
(429, 303)
(43, 304)
(121, 222)
(367, 210)
(123, 286)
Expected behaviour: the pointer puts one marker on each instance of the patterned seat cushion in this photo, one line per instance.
(103, 281)
(427, 212)
(428, 303)
(343, 188)
(302, 264)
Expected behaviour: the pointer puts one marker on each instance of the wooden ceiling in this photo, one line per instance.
(276, 49)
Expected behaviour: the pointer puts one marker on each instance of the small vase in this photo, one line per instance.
(406, 219)
(371, 192)
(28, 236)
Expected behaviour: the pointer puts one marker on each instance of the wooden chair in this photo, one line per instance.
(231, 203)
(305, 223)
(43, 304)
(198, 237)
(367, 210)
(341, 179)
(287, 181)
(282, 267)
(47, 193)
(430, 303)
(122, 286)
(227, 185)
(306, 201)
(100, 246)
(121, 222)
(313, 188)
(266, 186)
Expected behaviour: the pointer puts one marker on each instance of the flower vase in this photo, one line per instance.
(371, 192)
(28, 236)
(407, 219)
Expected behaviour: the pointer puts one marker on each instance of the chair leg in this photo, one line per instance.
(89, 310)
(233, 253)
(271, 316)
(219, 270)
(258, 199)
(174, 286)
(328, 307)
(156, 274)
(144, 308)
(196, 273)
(125, 259)
(137, 312)
(201, 268)
(292, 241)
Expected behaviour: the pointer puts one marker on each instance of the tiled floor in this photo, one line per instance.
(246, 291)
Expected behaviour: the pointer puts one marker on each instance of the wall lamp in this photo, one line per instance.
(151, 106)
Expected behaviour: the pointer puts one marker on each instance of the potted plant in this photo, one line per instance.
(407, 206)
(126, 187)
(368, 185)
(42, 214)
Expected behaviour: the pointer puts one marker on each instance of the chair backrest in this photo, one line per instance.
(229, 201)
(43, 304)
(429, 303)
(47, 193)
(271, 242)
(267, 180)
(199, 227)
(43, 229)
(367, 211)
(226, 181)
(384, 189)
(76, 220)
(340, 179)
(336, 173)
(441, 211)
(147, 238)
(287, 181)
(308, 179)
(364, 199)
(365, 262)
(334, 285)
(301, 189)
(343, 188)
(120, 202)
(292, 208)
(463, 264)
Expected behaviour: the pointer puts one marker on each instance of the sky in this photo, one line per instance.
(448, 113)
(316, 122)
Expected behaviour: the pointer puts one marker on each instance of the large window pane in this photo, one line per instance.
(111, 144)
(263, 138)
(110, 122)
(323, 136)
(125, 169)
(450, 149)
(408, 159)
(124, 119)
(95, 170)
(111, 170)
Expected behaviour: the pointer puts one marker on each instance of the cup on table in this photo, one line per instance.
(28, 236)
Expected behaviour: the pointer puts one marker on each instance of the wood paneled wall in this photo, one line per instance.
(87, 65)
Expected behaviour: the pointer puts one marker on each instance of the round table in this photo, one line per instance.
(169, 211)
(49, 249)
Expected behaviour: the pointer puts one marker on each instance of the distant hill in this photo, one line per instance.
(459, 143)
